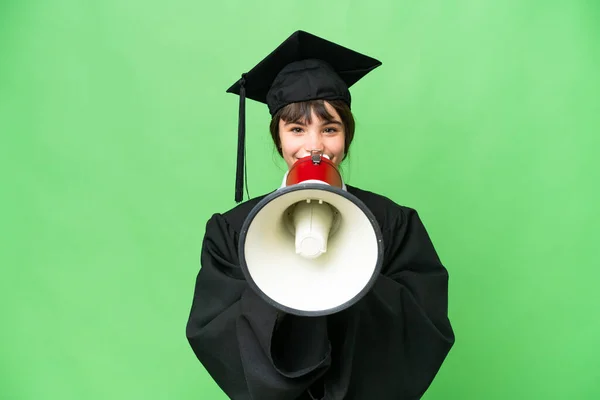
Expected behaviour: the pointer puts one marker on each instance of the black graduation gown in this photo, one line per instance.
(387, 346)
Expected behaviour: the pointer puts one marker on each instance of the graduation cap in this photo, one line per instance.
(304, 67)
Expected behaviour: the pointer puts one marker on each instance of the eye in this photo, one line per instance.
(296, 129)
(330, 130)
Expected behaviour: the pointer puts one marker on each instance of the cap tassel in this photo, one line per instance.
(239, 175)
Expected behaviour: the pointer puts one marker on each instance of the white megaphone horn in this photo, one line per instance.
(311, 248)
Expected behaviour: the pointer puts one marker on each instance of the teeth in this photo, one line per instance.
(326, 156)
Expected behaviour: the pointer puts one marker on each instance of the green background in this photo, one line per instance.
(117, 143)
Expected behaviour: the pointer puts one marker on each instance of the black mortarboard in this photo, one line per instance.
(304, 67)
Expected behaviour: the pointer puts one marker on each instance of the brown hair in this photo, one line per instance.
(302, 111)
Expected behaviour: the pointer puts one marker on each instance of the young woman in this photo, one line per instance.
(390, 344)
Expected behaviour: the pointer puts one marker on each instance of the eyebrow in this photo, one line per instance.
(327, 122)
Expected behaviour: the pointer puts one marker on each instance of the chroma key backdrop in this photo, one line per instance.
(118, 142)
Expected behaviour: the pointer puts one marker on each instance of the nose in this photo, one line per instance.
(313, 142)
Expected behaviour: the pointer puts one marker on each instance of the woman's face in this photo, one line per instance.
(299, 138)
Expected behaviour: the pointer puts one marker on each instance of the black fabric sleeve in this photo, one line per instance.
(404, 319)
(250, 349)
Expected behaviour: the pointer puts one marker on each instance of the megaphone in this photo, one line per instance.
(311, 248)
